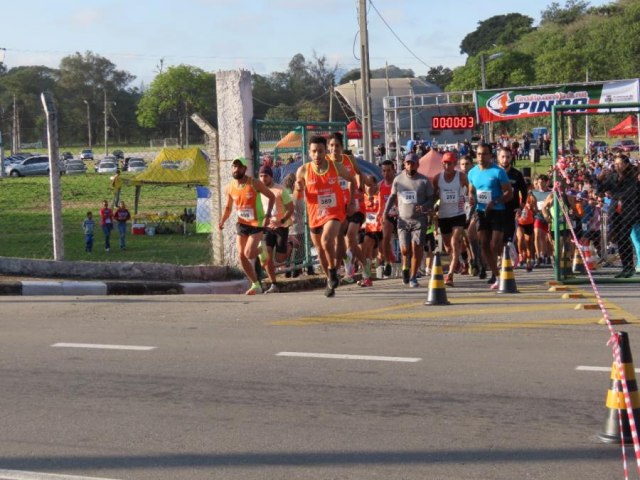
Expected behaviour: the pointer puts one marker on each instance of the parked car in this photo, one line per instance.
(74, 167)
(108, 158)
(66, 156)
(625, 146)
(136, 164)
(119, 154)
(107, 166)
(86, 154)
(36, 165)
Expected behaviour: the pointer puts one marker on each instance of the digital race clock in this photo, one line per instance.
(453, 122)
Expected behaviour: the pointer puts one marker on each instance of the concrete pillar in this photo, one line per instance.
(235, 132)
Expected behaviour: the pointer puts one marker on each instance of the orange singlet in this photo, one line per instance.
(248, 202)
(323, 196)
(371, 205)
(347, 162)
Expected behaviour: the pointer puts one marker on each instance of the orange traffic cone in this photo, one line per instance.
(615, 397)
(437, 293)
(578, 264)
(507, 278)
(589, 257)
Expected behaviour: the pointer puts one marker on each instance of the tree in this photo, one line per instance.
(572, 11)
(440, 76)
(91, 78)
(174, 95)
(391, 71)
(497, 30)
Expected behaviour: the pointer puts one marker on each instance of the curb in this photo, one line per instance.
(81, 288)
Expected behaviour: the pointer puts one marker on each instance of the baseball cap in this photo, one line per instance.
(266, 170)
(241, 160)
(411, 157)
(449, 157)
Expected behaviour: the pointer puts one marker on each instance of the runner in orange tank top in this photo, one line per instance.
(351, 226)
(244, 192)
(390, 224)
(319, 181)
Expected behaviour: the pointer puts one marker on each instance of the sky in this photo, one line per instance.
(140, 36)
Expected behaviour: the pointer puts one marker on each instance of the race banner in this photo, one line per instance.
(514, 103)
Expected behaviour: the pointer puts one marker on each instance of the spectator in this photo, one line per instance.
(88, 226)
(116, 184)
(106, 222)
(122, 215)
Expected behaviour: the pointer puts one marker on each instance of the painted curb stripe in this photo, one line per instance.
(335, 356)
(102, 347)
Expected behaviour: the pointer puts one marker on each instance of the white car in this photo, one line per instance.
(136, 165)
(107, 166)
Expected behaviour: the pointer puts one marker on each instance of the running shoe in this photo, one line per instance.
(366, 282)
(387, 270)
(448, 280)
(334, 281)
(347, 280)
(483, 273)
(413, 283)
(529, 266)
(491, 280)
(329, 291)
(254, 290)
(272, 289)
(427, 272)
(464, 269)
(405, 276)
(495, 285)
(473, 270)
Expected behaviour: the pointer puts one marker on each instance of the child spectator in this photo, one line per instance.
(88, 226)
(121, 216)
(106, 222)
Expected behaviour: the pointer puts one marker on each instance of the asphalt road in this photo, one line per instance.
(485, 388)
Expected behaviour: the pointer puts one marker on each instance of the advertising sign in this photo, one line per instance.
(514, 103)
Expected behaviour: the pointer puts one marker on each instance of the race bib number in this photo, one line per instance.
(409, 197)
(484, 196)
(540, 204)
(344, 185)
(246, 214)
(371, 218)
(107, 221)
(449, 196)
(328, 200)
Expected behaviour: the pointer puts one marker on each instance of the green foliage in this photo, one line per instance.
(175, 95)
(440, 76)
(497, 30)
(572, 11)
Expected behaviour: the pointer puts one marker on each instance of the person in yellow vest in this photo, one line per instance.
(116, 183)
(276, 235)
(244, 192)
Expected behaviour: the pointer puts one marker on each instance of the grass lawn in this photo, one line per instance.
(25, 221)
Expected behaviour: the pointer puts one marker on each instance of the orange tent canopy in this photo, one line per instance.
(430, 164)
(354, 131)
(627, 127)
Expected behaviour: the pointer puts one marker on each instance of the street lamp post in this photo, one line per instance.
(88, 122)
(493, 56)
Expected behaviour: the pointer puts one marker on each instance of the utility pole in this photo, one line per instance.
(106, 125)
(365, 76)
(88, 122)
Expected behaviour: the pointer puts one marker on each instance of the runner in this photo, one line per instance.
(412, 192)
(319, 181)
(489, 190)
(390, 223)
(513, 206)
(351, 226)
(450, 186)
(471, 252)
(540, 226)
(276, 234)
(372, 226)
(243, 192)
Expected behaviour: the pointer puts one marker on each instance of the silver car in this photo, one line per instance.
(136, 165)
(36, 165)
(75, 167)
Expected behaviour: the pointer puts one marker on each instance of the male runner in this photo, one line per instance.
(389, 223)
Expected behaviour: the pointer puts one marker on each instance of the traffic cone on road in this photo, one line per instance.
(589, 257)
(578, 264)
(507, 278)
(615, 397)
(437, 293)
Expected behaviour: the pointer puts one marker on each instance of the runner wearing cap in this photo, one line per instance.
(450, 187)
(489, 190)
(412, 192)
(319, 181)
(243, 192)
(276, 235)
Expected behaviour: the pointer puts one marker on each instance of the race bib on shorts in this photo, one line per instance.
(484, 196)
(409, 197)
(450, 196)
(246, 214)
(328, 200)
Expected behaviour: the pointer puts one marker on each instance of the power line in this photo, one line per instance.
(397, 37)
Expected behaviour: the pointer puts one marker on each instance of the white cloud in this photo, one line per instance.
(88, 17)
